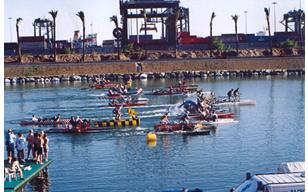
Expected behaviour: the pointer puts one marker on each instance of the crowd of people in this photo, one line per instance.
(36, 144)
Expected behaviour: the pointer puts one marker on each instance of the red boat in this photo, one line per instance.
(180, 126)
(219, 116)
(44, 122)
(106, 85)
(80, 128)
(225, 115)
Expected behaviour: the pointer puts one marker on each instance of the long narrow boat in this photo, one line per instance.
(44, 122)
(181, 126)
(117, 123)
(194, 132)
(219, 116)
(132, 91)
(221, 122)
(105, 86)
(126, 104)
(237, 103)
(99, 126)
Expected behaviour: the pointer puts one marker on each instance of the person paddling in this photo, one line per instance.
(230, 94)
(236, 94)
(56, 118)
(117, 112)
(164, 119)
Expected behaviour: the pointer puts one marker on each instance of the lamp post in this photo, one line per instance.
(10, 19)
(274, 3)
(246, 21)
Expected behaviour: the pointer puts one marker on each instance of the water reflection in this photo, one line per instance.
(39, 183)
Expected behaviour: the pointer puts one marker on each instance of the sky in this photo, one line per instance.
(97, 13)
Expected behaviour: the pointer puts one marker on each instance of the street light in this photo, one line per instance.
(246, 21)
(274, 3)
(10, 18)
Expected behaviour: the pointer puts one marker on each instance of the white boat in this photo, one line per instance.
(237, 103)
(290, 178)
(222, 121)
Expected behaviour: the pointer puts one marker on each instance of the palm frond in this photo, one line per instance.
(267, 12)
(80, 14)
(235, 17)
(53, 13)
(18, 20)
(114, 19)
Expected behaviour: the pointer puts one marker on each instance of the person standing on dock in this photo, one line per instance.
(39, 148)
(10, 145)
(20, 146)
(30, 144)
(45, 146)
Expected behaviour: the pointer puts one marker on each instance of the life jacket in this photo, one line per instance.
(163, 117)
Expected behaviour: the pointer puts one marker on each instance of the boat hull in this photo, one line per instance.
(117, 123)
(181, 126)
(47, 122)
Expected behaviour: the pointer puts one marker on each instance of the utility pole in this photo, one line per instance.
(246, 21)
(274, 3)
(10, 19)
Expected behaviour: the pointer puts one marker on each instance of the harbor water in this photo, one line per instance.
(267, 134)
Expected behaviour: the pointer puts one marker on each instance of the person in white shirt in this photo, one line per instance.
(34, 119)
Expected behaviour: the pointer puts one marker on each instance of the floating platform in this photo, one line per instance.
(15, 184)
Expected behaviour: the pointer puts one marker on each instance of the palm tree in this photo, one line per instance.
(18, 20)
(235, 19)
(114, 19)
(267, 14)
(145, 29)
(176, 16)
(54, 15)
(80, 14)
(211, 34)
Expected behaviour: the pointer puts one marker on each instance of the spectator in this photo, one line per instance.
(45, 146)
(10, 145)
(30, 138)
(20, 145)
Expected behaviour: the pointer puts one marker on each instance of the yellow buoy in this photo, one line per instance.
(151, 137)
(151, 143)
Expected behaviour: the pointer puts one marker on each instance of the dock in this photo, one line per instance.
(15, 184)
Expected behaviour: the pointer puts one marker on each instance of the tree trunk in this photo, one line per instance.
(83, 41)
(270, 37)
(54, 40)
(236, 38)
(18, 44)
(211, 41)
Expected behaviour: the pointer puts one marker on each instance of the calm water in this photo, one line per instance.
(269, 133)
